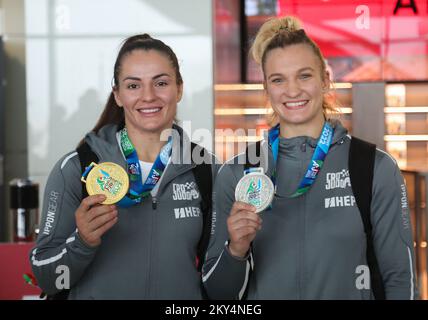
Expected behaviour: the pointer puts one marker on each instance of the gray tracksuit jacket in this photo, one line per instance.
(314, 246)
(149, 253)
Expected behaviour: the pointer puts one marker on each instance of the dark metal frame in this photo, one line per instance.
(2, 146)
(243, 35)
(420, 221)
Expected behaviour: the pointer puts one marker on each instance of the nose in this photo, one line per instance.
(292, 89)
(148, 93)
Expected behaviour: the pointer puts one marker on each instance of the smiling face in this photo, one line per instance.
(296, 86)
(148, 91)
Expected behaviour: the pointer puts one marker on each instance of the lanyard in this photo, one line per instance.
(317, 160)
(137, 190)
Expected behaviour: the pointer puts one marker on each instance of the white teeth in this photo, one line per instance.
(149, 110)
(295, 104)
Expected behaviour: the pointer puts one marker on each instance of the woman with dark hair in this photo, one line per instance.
(146, 245)
(330, 232)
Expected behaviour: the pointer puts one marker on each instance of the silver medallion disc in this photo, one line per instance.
(255, 188)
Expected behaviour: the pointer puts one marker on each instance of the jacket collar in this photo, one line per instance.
(293, 144)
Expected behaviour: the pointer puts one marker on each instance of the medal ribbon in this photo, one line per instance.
(137, 190)
(316, 162)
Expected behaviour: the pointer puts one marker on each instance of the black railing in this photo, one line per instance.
(416, 183)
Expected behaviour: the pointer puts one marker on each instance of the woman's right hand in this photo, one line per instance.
(93, 219)
(242, 224)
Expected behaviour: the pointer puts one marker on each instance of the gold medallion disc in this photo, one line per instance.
(107, 178)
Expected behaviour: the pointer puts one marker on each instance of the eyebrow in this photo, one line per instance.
(275, 75)
(300, 70)
(306, 68)
(153, 78)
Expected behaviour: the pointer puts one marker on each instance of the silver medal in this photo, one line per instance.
(255, 188)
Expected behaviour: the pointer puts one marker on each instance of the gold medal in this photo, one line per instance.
(109, 179)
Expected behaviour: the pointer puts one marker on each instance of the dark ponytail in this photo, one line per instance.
(112, 114)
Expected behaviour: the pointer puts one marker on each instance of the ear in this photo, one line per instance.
(326, 82)
(179, 92)
(116, 97)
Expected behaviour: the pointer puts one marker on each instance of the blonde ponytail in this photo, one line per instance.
(269, 30)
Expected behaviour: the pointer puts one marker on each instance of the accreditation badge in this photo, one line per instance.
(106, 178)
(255, 188)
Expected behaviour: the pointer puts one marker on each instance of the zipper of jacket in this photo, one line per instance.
(154, 203)
(302, 249)
(302, 223)
(151, 259)
(306, 147)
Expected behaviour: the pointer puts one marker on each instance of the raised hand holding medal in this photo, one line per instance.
(106, 184)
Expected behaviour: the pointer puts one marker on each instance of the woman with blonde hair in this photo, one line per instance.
(321, 237)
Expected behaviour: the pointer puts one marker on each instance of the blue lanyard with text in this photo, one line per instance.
(137, 190)
(317, 160)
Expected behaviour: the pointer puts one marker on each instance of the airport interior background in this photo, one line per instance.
(56, 62)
